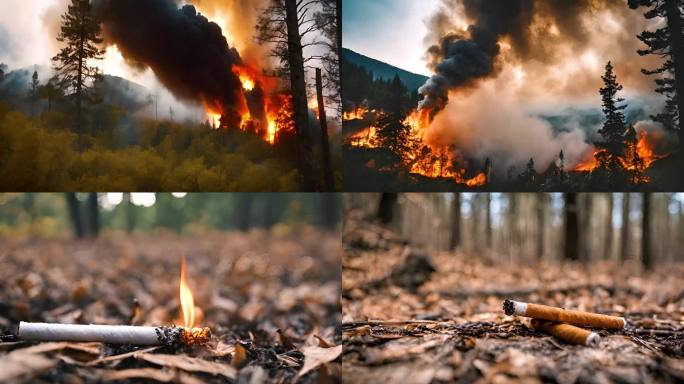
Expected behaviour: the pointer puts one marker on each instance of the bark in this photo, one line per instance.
(586, 227)
(571, 240)
(329, 210)
(299, 99)
(646, 252)
(93, 215)
(608, 241)
(455, 240)
(625, 230)
(674, 24)
(388, 202)
(327, 161)
(74, 214)
(243, 207)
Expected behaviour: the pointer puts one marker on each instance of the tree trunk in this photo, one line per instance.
(475, 212)
(488, 222)
(541, 224)
(329, 210)
(74, 214)
(299, 98)
(571, 227)
(243, 209)
(388, 202)
(455, 240)
(625, 230)
(674, 24)
(587, 234)
(608, 241)
(327, 161)
(93, 215)
(646, 254)
(131, 213)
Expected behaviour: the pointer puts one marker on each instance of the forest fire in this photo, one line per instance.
(637, 157)
(417, 156)
(357, 113)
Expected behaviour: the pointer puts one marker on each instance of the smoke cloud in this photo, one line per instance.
(187, 53)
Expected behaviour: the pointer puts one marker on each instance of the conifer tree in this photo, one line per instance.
(81, 34)
(614, 128)
(667, 42)
(34, 92)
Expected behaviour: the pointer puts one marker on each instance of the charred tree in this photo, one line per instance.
(455, 239)
(75, 214)
(667, 42)
(81, 33)
(625, 230)
(387, 206)
(325, 141)
(608, 241)
(646, 251)
(571, 238)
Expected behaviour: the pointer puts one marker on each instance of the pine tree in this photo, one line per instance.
(34, 92)
(50, 92)
(667, 42)
(614, 128)
(81, 33)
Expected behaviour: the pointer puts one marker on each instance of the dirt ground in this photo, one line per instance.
(413, 317)
(272, 302)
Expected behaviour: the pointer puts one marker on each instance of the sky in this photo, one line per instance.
(388, 30)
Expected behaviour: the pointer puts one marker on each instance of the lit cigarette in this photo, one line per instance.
(113, 334)
(560, 315)
(568, 333)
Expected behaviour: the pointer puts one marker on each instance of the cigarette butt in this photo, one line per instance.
(112, 334)
(568, 333)
(560, 315)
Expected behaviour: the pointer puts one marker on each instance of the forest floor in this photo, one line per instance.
(415, 318)
(272, 302)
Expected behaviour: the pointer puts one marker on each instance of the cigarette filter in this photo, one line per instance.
(568, 333)
(113, 334)
(560, 315)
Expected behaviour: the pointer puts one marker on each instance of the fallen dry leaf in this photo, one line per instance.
(315, 356)
(24, 365)
(190, 364)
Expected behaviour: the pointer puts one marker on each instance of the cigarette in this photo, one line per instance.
(560, 315)
(113, 334)
(568, 333)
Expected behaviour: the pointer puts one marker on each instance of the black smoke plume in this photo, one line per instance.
(460, 59)
(187, 52)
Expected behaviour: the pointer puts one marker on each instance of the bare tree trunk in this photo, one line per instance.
(608, 241)
(455, 240)
(488, 221)
(571, 227)
(388, 202)
(329, 210)
(625, 230)
(93, 215)
(541, 223)
(327, 161)
(131, 213)
(646, 255)
(513, 236)
(299, 99)
(74, 214)
(587, 233)
(243, 207)
(475, 212)
(674, 24)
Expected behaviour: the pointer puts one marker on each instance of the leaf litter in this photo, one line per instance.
(411, 317)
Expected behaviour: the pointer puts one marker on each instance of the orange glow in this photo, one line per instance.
(477, 181)
(272, 130)
(357, 114)
(367, 138)
(186, 300)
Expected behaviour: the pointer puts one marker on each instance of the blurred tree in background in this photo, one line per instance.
(86, 214)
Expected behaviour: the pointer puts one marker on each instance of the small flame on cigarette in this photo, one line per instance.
(186, 299)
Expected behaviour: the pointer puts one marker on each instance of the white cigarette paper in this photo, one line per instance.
(113, 334)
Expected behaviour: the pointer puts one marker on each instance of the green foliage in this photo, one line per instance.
(167, 157)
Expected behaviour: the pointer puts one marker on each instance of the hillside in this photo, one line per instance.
(385, 71)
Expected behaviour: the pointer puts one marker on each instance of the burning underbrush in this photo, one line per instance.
(271, 307)
(640, 150)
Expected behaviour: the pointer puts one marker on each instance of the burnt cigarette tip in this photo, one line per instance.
(509, 307)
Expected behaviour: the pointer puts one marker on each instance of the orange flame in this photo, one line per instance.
(357, 114)
(186, 299)
(477, 181)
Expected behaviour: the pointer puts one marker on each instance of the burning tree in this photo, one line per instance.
(82, 33)
(667, 42)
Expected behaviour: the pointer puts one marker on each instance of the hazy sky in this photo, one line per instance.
(388, 30)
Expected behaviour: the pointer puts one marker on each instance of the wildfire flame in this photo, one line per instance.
(186, 299)
(357, 114)
(272, 130)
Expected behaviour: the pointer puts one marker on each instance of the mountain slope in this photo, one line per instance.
(385, 71)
